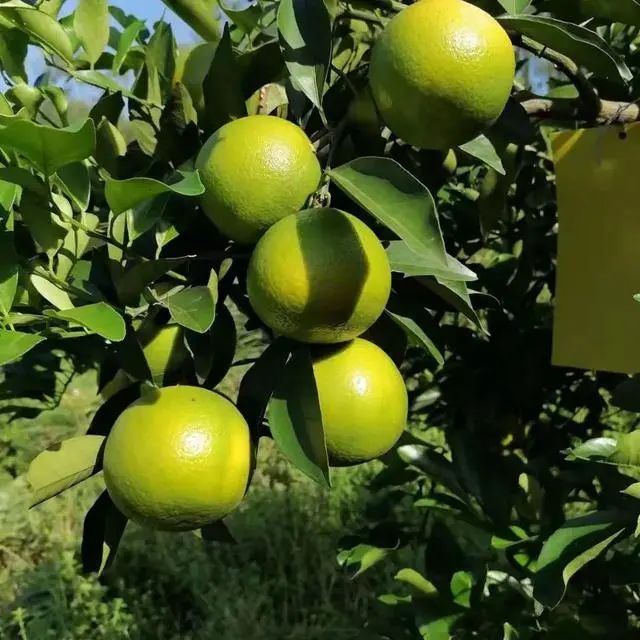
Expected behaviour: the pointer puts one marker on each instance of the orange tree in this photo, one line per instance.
(130, 236)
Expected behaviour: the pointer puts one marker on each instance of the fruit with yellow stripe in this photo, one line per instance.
(320, 276)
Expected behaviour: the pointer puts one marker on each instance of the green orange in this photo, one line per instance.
(178, 458)
(320, 276)
(441, 73)
(256, 170)
(363, 401)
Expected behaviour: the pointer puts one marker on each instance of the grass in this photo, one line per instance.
(280, 581)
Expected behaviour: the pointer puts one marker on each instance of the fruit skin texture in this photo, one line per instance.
(178, 459)
(165, 351)
(441, 73)
(320, 276)
(256, 170)
(363, 401)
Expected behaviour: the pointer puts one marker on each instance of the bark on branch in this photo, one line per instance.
(610, 112)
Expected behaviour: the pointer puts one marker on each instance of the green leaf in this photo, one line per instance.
(127, 38)
(295, 419)
(64, 465)
(52, 293)
(436, 623)
(14, 344)
(514, 6)
(482, 149)
(456, 294)
(461, 588)
(135, 279)
(417, 581)
(98, 318)
(195, 307)
(403, 260)
(75, 182)
(363, 556)
(144, 216)
(126, 194)
(509, 632)
(47, 148)
(217, 532)
(583, 46)
(44, 225)
(91, 24)
(8, 271)
(199, 15)
(42, 28)
(258, 384)
(247, 19)
(415, 321)
(223, 98)
(304, 32)
(568, 549)
(633, 490)
(398, 200)
(13, 51)
(594, 448)
(101, 534)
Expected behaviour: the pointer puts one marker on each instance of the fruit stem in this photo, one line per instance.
(587, 92)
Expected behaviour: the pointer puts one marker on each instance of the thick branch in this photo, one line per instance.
(588, 96)
(610, 112)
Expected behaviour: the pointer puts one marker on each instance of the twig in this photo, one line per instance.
(586, 91)
(610, 112)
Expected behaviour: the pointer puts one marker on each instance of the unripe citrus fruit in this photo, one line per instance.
(319, 276)
(441, 73)
(363, 401)
(178, 459)
(256, 170)
(165, 351)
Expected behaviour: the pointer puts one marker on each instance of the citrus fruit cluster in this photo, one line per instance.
(440, 74)
(318, 276)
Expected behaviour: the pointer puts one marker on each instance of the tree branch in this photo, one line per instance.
(610, 112)
(591, 103)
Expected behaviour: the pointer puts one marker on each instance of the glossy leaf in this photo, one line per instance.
(195, 307)
(304, 31)
(48, 148)
(126, 41)
(456, 294)
(417, 323)
(51, 292)
(295, 419)
(64, 465)
(583, 46)
(8, 272)
(514, 6)
(75, 182)
(101, 534)
(570, 548)
(362, 557)
(41, 27)
(223, 99)
(482, 149)
(594, 448)
(14, 344)
(258, 384)
(403, 260)
(98, 318)
(398, 200)
(126, 194)
(91, 24)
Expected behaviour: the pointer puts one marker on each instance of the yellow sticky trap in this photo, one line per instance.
(597, 321)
